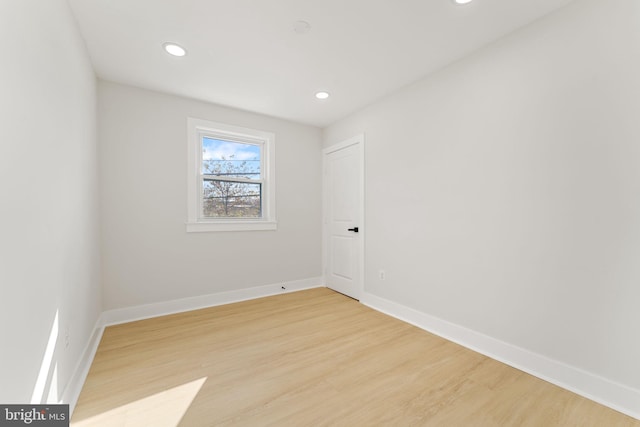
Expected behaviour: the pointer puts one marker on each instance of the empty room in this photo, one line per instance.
(320, 213)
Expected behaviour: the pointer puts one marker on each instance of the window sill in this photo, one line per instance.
(204, 226)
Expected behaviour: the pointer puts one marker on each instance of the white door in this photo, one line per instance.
(343, 218)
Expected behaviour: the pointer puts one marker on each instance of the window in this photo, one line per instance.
(231, 178)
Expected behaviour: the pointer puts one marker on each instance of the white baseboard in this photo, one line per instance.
(130, 314)
(72, 391)
(606, 392)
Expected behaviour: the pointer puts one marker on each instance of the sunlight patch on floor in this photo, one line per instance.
(164, 409)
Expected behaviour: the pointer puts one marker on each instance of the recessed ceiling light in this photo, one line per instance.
(174, 49)
(462, 1)
(301, 27)
(322, 95)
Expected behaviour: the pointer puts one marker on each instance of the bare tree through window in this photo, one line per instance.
(232, 181)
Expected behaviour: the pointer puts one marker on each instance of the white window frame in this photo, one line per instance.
(197, 129)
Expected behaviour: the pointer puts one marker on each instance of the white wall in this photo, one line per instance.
(49, 260)
(148, 256)
(503, 192)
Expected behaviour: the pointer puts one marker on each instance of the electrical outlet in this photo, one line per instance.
(382, 275)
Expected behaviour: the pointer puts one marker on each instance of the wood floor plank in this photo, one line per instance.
(312, 358)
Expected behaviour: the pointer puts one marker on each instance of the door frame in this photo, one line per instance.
(359, 141)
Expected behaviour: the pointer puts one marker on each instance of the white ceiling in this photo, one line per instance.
(245, 53)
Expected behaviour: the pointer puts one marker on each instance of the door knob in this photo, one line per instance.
(354, 229)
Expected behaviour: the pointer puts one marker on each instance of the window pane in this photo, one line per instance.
(230, 159)
(226, 199)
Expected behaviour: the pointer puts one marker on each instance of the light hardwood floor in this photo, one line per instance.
(311, 358)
